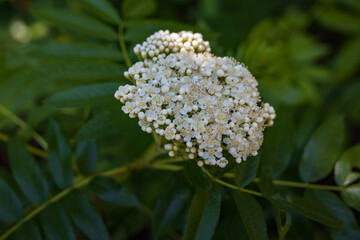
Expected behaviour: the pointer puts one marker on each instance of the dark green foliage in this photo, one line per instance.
(322, 150)
(10, 204)
(196, 176)
(59, 159)
(204, 213)
(83, 214)
(74, 166)
(56, 223)
(252, 215)
(27, 173)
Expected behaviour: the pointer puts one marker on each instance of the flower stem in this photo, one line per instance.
(237, 188)
(123, 45)
(18, 121)
(304, 185)
(296, 184)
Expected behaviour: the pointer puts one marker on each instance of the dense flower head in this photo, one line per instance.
(201, 104)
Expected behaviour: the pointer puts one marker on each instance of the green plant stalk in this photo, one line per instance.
(37, 210)
(18, 121)
(137, 165)
(33, 150)
(298, 184)
(123, 45)
(237, 188)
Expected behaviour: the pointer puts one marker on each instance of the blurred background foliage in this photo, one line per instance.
(60, 64)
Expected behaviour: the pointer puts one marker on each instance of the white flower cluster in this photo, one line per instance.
(202, 104)
(166, 42)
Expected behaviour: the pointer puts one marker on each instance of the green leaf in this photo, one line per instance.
(28, 231)
(348, 60)
(246, 171)
(56, 224)
(350, 229)
(89, 95)
(79, 52)
(282, 226)
(76, 71)
(351, 196)
(59, 156)
(107, 190)
(196, 176)
(196, 211)
(76, 21)
(203, 215)
(265, 184)
(84, 216)
(278, 144)
(322, 150)
(168, 206)
(343, 167)
(103, 124)
(313, 210)
(87, 155)
(252, 215)
(138, 8)
(338, 20)
(11, 208)
(27, 172)
(102, 9)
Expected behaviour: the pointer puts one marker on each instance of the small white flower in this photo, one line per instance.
(193, 98)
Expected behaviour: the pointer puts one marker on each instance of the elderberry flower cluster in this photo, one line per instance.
(203, 105)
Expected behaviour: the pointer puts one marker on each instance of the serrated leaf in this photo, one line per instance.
(87, 155)
(109, 191)
(78, 22)
(28, 231)
(103, 124)
(59, 156)
(252, 215)
(11, 208)
(56, 224)
(196, 176)
(27, 172)
(102, 9)
(76, 71)
(246, 171)
(322, 150)
(89, 95)
(79, 208)
(203, 215)
(79, 52)
(343, 167)
(278, 144)
(168, 206)
(138, 8)
(351, 196)
(313, 210)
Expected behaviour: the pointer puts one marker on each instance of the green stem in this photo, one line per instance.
(39, 209)
(305, 185)
(36, 151)
(18, 121)
(297, 184)
(237, 188)
(123, 45)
